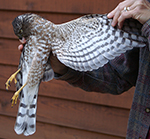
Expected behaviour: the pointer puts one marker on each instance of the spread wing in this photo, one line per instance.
(89, 42)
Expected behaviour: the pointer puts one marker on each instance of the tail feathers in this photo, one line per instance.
(26, 118)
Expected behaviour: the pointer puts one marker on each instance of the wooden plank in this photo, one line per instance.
(63, 6)
(55, 88)
(84, 116)
(61, 89)
(9, 53)
(79, 115)
(48, 131)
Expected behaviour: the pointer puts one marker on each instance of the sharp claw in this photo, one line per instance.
(15, 80)
(16, 95)
(7, 86)
(16, 100)
(12, 103)
(12, 78)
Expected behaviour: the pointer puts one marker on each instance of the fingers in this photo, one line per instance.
(20, 47)
(137, 9)
(112, 13)
(23, 41)
(117, 12)
(115, 18)
(122, 17)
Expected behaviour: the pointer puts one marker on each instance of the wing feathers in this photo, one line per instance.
(91, 48)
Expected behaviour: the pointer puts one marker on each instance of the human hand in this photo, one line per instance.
(23, 41)
(56, 65)
(137, 9)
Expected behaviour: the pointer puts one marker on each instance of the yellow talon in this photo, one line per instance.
(14, 98)
(12, 77)
(16, 95)
(15, 81)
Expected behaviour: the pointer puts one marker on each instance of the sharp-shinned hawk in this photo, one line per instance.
(84, 44)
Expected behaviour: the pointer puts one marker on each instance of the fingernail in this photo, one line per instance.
(19, 47)
(119, 25)
(113, 24)
(109, 15)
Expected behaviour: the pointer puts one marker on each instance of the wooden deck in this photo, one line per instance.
(64, 112)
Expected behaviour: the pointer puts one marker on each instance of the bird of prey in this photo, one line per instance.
(83, 44)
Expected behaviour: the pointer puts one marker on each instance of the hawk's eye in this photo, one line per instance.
(21, 31)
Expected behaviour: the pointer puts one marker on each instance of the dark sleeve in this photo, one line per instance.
(117, 76)
(146, 31)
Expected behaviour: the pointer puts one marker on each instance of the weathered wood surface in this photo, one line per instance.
(73, 114)
(49, 131)
(60, 6)
(63, 111)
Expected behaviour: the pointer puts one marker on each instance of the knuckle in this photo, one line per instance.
(137, 9)
(123, 16)
(121, 5)
(139, 3)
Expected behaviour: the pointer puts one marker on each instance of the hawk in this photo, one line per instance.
(83, 44)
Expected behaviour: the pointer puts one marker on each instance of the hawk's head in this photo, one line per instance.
(22, 25)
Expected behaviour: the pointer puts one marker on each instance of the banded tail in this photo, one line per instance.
(26, 118)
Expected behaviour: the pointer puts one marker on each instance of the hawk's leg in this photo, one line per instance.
(12, 77)
(15, 96)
